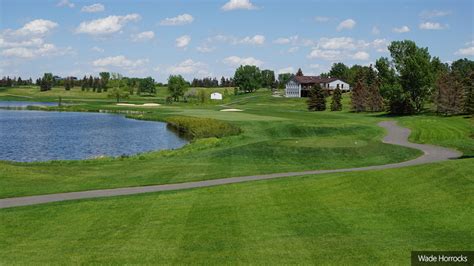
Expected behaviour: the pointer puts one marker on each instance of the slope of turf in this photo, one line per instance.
(374, 217)
(278, 135)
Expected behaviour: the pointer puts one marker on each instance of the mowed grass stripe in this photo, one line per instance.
(373, 217)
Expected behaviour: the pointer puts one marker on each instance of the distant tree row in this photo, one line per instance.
(15, 81)
(250, 78)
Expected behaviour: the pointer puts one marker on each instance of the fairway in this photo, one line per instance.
(374, 217)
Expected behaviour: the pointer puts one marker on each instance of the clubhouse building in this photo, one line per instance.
(299, 86)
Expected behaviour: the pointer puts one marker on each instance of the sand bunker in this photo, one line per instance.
(231, 110)
(139, 105)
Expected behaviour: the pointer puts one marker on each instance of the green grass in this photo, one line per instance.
(278, 135)
(373, 217)
(455, 132)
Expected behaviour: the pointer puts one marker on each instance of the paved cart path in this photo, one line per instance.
(395, 135)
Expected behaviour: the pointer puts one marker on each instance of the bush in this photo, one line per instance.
(202, 127)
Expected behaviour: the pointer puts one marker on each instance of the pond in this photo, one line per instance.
(19, 104)
(28, 136)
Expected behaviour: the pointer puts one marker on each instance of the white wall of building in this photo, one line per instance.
(293, 89)
(216, 96)
(342, 85)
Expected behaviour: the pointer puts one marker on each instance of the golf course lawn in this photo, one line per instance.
(278, 135)
(372, 217)
(369, 217)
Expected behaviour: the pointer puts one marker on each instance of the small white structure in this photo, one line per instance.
(216, 96)
(299, 86)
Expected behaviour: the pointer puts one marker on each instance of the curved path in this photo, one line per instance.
(396, 135)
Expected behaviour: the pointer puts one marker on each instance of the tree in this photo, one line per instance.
(469, 94)
(450, 95)
(118, 94)
(340, 71)
(336, 104)
(67, 84)
(463, 67)
(268, 78)
(147, 86)
(299, 73)
(84, 83)
(283, 78)
(46, 82)
(104, 80)
(359, 97)
(386, 74)
(416, 75)
(317, 99)
(177, 86)
(374, 100)
(248, 78)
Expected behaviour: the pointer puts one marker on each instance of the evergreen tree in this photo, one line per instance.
(469, 94)
(374, 98)
(300, 72)
(84, 83)
(336, 104)
(67, 84)
(359, 97)
(316, 100)
(450, 95)
(46, 82)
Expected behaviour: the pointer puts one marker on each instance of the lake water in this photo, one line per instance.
(27, 136)
(19, 104)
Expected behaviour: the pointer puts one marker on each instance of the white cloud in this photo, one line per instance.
(286, 70)
(189, 67)
(329, 55)
(238, 4)
(66, 3)
(94, 8)
(36, 27)
(287, 40)
(249, 40)
(143, 36)
(402, 29)
(237, 61)
(119, 61)
(28, 41)
(293, 49)
(47, 49)
(432, 26)
(428, 14)
(375, 30)
(345, 43)
(183, 41)
(255, 40)
(346, 24)
(321, 19)
(178, 20)
(107, 25)
(363, 56)
(468, 51)
(380, 45)
(97, 49)
(205, 49)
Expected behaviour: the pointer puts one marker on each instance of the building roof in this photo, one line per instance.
(312, 79)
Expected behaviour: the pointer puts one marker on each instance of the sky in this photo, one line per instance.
(197, 38)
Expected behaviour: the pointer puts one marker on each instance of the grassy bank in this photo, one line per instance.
(374, 217)
(277, 135)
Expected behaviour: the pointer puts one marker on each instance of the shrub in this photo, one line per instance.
(202, 127)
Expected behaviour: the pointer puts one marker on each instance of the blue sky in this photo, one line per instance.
(211, 38)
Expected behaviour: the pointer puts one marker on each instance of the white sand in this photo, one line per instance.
(139, 105)
(231, 110)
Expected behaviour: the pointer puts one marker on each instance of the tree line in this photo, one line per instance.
(404, 83)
